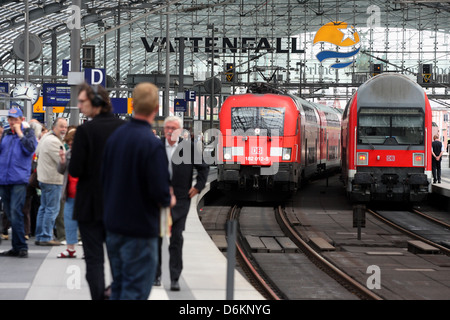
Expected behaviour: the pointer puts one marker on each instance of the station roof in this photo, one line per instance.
(258, 19)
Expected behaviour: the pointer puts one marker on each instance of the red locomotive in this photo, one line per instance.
(386, 141)
(271, 141)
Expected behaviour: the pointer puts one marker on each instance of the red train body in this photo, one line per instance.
(272, 141)
(386, 141)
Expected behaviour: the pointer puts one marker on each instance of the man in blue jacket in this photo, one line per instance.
(136, 184)
(17, 146)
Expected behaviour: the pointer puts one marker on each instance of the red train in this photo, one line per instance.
(386, 141)
(271, 141)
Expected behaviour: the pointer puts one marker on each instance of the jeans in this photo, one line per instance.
(70, 224)
(48, 211)
(133, 265)
(13, 198)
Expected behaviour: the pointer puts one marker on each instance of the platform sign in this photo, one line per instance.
(4, 87)
(180, 105)
(65, 67)
(55, 94)
(95, 76)
(190, 95)
(120, 105)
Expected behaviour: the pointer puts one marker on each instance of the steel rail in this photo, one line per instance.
(248, 265)
(433, 219)
(342, 277)
(409, 232)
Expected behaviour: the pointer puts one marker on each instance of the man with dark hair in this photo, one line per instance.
(17, 145)
(85, 164)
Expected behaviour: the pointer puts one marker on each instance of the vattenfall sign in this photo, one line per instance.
(224, 45)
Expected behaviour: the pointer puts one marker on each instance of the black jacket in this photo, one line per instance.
(87, 151)
(182, 175)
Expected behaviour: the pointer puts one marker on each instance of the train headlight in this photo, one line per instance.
(227, 153)
(418, 160)
(362, 158)
(286, 154)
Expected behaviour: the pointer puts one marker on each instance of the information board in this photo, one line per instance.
(55, 94)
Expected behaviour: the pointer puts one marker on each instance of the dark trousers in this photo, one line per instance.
(436, 170)
(30, 211)
(175, 250)
(93, 236)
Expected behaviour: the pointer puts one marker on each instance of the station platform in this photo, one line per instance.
(443, 188)
(42, 276)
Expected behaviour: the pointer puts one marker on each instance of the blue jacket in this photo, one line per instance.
(16, 156)
(135, 181)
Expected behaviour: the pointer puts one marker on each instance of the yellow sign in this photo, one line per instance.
(58, 109)
(426, 77)
(229, 76)
(130, 106)
(38, 107)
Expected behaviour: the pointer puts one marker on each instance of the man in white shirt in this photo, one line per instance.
(181, 155)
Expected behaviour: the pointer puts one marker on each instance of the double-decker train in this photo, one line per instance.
(271, 141)
(386, 141)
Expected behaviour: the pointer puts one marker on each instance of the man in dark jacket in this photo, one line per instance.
(85, 164)
(136, 185)
(17, 145)
(183, 157)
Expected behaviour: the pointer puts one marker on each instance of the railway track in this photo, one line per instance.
(253, 271)
(260, 268)
(418, 225)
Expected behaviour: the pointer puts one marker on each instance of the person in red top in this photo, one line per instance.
(68, 195)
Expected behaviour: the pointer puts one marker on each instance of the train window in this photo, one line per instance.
(332, 120)
(395, 126)
(269, 121)
(310, 115)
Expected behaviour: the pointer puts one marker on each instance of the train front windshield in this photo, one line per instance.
(391, 126)
(247, 121)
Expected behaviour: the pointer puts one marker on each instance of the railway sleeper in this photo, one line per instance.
(271, 244)
(417, 246)
(321, 244)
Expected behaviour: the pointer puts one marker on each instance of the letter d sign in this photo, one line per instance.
(95, 76)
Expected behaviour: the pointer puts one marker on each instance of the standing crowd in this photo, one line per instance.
(110, 181)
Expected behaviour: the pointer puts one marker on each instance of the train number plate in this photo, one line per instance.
(390, 158)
